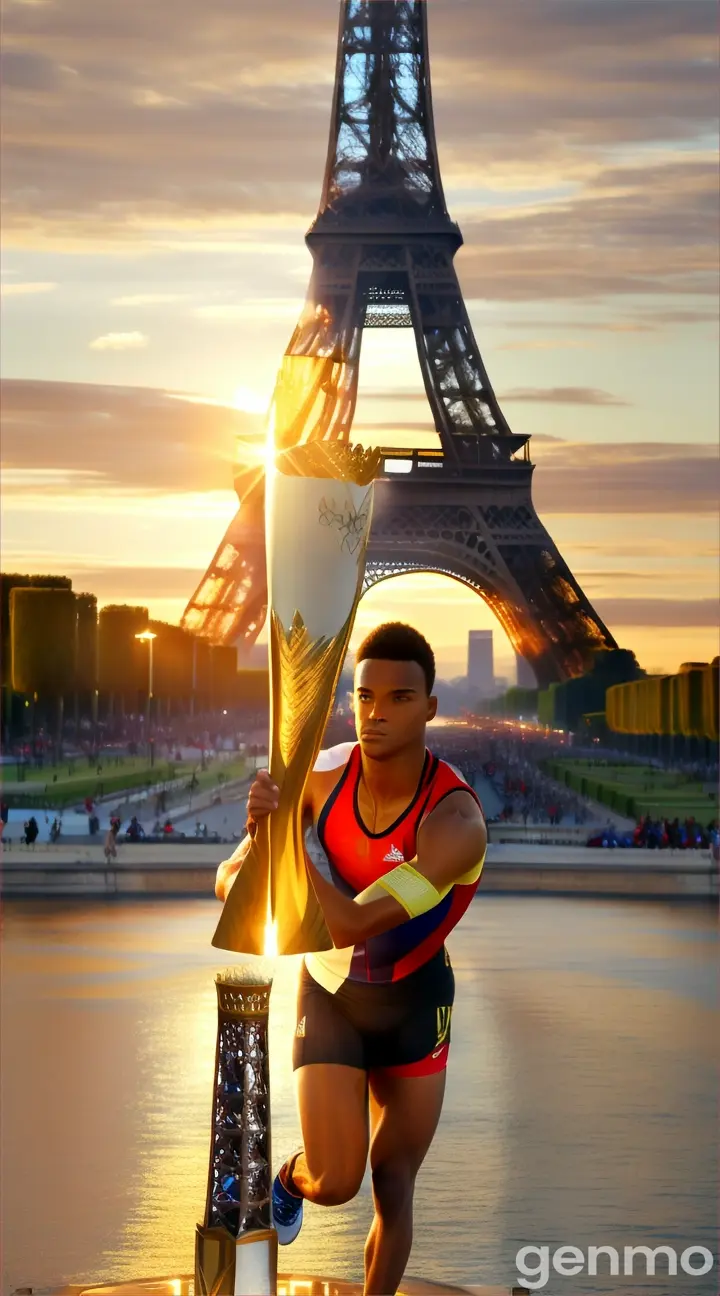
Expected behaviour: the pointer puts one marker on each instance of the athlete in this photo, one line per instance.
(405, 840)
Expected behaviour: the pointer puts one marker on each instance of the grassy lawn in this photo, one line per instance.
(62, 785)
(636, 790)
(225, 773)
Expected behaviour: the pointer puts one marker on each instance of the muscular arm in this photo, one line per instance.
(451, 843)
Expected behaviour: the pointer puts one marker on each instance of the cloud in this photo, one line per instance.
(144, 439)
(640, 478)
(29, 71)
(673, 547)
(25, 289)
(39, 478)
(665, 576)
(148, 583)
(151, 99)
(149, 299)
(563, 396)
(252, 310)
(659, 612)
(128, 582)
(394, 394)
(134, 438)
(686, 317)
(629, 324)
(127, 125)
(543, 344)
(389, 427)
(119, 342)
(646, 227)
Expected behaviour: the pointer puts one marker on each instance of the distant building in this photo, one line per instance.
(524, 673)
(481, 670)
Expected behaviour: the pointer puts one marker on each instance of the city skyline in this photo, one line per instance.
(155, 266)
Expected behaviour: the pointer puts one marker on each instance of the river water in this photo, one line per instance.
(581, 1106)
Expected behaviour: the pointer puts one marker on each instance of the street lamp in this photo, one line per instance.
(147, 637)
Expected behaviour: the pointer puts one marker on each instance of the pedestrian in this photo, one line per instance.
(31, 831)
(111, 840)
(135, 830)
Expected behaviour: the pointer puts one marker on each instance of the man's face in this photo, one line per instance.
(391, 706)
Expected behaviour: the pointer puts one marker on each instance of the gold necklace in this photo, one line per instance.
(372, 803)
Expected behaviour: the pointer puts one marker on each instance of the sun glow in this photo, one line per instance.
(249, 401)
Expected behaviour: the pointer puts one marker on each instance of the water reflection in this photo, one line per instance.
(580, 1109)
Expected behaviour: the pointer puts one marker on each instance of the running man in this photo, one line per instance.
(405, 839)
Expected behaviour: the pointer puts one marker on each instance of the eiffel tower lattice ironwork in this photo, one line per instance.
(383, 246)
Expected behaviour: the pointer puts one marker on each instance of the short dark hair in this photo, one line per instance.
(395, 641)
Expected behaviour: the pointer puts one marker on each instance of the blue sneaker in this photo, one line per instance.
(287, 1208)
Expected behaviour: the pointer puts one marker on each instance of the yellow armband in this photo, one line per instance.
(408, 887)
(472, 874)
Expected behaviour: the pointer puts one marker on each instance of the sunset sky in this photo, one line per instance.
(162, 162)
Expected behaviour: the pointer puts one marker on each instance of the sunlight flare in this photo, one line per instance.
(249, 401)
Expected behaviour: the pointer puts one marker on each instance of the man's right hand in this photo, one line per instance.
(262, 799)
(263, 796)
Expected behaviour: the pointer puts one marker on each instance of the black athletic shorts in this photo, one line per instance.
(402, 1027)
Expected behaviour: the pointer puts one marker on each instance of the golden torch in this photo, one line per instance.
(318, 509)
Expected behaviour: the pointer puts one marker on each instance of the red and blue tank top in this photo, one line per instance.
(358, 857)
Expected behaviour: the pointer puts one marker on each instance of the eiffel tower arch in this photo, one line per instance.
(480, 529)
(383, 247)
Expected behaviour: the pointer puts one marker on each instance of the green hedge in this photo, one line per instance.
(661, 801)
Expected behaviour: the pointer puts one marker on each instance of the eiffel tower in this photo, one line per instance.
(383, 246)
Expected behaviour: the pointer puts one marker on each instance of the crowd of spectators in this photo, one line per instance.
(507, 758)
(529, 796)
(662, 834)
(122, 736)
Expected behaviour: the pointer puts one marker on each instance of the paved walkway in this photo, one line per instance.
(600, 815)
(490, 798)
(227, 819)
